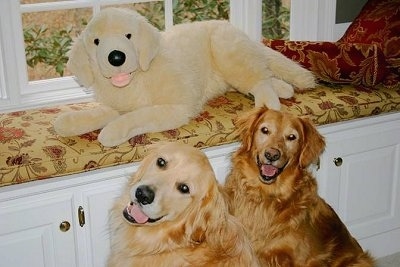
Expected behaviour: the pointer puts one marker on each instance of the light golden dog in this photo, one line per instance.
(151, 81)
(172, 214)
(273, 194)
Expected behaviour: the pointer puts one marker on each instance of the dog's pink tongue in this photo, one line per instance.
(269, 170)
(121, 79)
(137, 214)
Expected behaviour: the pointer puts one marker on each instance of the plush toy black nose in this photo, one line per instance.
(116, 58)
(144, 194)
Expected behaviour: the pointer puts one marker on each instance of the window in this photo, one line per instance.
(32, 58)
(48, 34)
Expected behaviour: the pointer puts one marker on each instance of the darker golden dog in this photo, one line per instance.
(173, 214)
(273, 194)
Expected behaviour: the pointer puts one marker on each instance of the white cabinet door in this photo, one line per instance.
(221, 167)
(31, 233)
(98, 199)
(220, 160)
(360, 178)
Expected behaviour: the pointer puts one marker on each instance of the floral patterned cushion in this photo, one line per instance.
(338, 62)
(31, 150)
(379, 23)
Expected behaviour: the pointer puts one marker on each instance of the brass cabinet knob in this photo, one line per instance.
(64, 226)
(338, 161)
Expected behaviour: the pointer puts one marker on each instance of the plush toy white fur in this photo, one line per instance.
(151, 81)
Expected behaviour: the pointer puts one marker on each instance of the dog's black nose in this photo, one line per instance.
(116, 58)
(144, 194)
(272, 154)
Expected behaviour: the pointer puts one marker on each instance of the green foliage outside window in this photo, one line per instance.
(50, 48)
(194, 10)
(275, 20)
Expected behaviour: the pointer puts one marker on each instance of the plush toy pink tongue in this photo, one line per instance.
(121, 79)
(136, 213)
(269, 170)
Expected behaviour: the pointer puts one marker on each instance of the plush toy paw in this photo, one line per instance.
(69, 124)
(265, 95)
(272, 101)
(84, 121)
(282, 88)
(114, 134)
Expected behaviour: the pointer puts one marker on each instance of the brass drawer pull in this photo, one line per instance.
(81, 216)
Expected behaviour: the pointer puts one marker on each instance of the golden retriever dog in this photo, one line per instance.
(173, 214)
(272, 192)
(151, 81)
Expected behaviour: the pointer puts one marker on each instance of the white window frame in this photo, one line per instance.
(310, 20)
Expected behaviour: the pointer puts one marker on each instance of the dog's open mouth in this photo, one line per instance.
(268, 172)
(134, 214)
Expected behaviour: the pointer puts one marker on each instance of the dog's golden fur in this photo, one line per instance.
(188, 222)
(273, 194)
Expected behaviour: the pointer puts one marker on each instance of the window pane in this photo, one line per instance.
(48, 36)
(184, 11)
(276, 16)
(196, 10)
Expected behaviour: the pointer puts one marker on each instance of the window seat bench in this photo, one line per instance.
(31, 150)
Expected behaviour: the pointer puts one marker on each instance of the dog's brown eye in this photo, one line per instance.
(96, 41)
(161, 162)
(291, 137)
(128, 35)
(183, 188)
(264, 130)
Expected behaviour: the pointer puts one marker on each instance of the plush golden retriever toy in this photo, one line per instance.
(150, 81)
(274, 195)
(172, 214)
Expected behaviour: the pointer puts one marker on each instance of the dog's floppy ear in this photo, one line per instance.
(203, 220)
(245, 125)
(148, 43)
(79, 64)
(313, 146)
(213, 225)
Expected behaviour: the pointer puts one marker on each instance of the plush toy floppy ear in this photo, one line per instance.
(148, 43)
(79, 64)
(314, 144)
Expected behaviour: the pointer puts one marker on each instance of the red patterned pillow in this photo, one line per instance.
(379, 23)
(336, 62)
